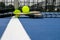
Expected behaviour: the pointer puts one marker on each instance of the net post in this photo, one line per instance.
(16, 4)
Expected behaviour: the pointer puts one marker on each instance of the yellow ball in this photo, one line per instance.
(17, 13)
(25, 9)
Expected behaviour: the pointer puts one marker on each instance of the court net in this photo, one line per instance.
(40, 15)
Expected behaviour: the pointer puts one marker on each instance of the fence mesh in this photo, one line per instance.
(38, 5)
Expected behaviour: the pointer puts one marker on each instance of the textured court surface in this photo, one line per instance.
(37, 29)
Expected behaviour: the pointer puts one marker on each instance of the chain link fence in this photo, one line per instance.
(38, 5)
(49, 8)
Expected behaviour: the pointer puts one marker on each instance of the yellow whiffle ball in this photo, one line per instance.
(17, 13)
(25, 9)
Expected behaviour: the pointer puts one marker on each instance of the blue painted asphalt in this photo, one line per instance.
(3, 24)
(38, 29)
(42, 29)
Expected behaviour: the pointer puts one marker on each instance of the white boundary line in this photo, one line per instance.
(15, 31)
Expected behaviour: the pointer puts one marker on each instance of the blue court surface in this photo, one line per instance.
(37, 29)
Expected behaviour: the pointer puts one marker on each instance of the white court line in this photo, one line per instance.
(15, 31)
